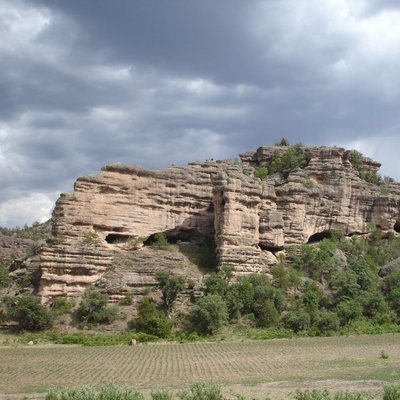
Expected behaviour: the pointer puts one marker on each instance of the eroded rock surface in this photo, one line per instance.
(116, 214)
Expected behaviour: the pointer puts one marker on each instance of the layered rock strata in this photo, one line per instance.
(117, 212)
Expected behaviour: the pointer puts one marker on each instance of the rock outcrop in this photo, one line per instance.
(118, 212)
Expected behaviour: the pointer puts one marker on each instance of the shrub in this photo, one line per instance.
(162, 394)
(261, 172)
(297, 320)
(328, 322)
(294, 157)
(127, 300)
(170, 287)
(282, 142)
(151, 321)
(312, 395)
(266, 314)
(161, 241)
(61, 306)
(358, 164)
(5, 279)
(391, 392)
(30, 314)
(106, 392)
(201, 391)
(384, 355)
(93, 308)
(208, 314)
(348, 310)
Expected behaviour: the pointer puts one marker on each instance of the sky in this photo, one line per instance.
(92, 82)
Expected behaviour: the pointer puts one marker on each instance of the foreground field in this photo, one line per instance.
(258, 368)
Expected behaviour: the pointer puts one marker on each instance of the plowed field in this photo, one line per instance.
(274, 362)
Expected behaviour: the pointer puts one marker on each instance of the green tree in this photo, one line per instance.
(209, 314)
(161, 241)
(348, 311)
(5, 279)
(93, 308)
(170, 287)
(151, 320)
(297, 319)
(282, 142)
(327, 322)
(30, 314)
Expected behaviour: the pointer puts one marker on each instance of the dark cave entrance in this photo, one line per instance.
(175, 236)
(317, 237)
(115, 238)
(397, 226)
(272, 249)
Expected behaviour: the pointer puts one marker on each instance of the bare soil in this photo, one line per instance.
(258, 369)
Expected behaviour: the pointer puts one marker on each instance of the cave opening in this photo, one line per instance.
(271, 249)
(115, 238)
(397, 226)
(175, 236)
(317, 237)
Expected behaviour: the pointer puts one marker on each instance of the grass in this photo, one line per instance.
(204, 391)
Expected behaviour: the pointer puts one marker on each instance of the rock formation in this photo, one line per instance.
(116, 214)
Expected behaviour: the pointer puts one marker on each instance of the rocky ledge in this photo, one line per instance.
(247, 211)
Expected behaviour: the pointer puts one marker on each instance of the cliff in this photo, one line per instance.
(246, 220)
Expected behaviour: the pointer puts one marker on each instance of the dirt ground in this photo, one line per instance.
(257, 369)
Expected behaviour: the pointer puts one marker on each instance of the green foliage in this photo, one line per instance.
(391, 392)
(161, 394)
(312, 395)
(297, 320)
(325, 394)
(106, 392)
(151, 320)
(384, 355)
(97, 339)
(280, 276)
(358, 164)
(201, 391)
(282, 142)
(93, 308)
(348, 311)
(127, 300)
(209, 314)
(318, 263)
(36, 231)
(5, 279)
(374, 305)
(91, 238)
(327, 322)
(308, 183)
(29, 313)
(170, 287)
(391, 289)
(161, 241)
(61, 306)
(218, 282)
(284, 163)
(261, 172)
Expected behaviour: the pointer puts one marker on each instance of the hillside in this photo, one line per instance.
(295, 237)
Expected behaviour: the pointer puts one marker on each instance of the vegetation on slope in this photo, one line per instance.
(319, 289)
(293, 157)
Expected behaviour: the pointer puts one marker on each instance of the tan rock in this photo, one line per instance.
(116, 213)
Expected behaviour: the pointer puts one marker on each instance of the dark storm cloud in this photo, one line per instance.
(87, 83)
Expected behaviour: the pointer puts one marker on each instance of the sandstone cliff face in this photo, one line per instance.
(117, 212)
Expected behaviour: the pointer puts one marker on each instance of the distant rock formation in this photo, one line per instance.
(119, 211)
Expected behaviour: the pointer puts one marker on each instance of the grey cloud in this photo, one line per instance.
(157, 82)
